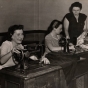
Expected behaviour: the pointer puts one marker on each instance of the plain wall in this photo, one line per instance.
(18, 12)
(56, 9)
(34, 14)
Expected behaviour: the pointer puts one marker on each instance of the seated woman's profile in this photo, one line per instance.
(51, 40)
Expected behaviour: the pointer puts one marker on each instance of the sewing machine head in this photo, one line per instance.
(22, 59)
(67, 43)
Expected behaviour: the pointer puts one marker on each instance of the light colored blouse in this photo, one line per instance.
(51, 40)
(6, 47)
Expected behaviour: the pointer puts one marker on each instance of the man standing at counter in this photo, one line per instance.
(74, 22)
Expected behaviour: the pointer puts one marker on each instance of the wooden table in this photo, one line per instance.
(41, 76)
(46, 76)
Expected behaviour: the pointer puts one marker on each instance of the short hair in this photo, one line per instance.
(75, 4)
(12, 29)
(53, 24)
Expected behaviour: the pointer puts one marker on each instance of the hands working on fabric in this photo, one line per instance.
(44, 60)
(79, 42)
(75, 25)
(22, 53)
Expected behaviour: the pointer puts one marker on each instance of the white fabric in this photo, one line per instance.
(33, 57)
(45, 60)
(84, 46)
(80, 39)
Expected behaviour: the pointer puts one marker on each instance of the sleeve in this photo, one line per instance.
(68, 16)
(85, 17)
(4, 48)
(48, 40)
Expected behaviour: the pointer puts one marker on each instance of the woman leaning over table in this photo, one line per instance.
(75, 22)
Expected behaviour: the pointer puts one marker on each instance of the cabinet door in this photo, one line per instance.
(2, 81)
(12, 81)
(9, 84)
(49, 80)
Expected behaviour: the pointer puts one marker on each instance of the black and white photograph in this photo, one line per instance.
(43, 44)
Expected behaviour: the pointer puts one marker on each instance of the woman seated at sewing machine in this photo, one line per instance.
(12, 45)
(52, 39)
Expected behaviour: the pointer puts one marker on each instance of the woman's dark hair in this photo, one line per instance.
(75, 4)
(53, 24)
(12, 29)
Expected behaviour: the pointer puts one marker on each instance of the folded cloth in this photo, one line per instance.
(85, 47)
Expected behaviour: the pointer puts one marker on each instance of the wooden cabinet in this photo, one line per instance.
(43, 77)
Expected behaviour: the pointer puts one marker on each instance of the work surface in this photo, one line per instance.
(58, 61)
(47, 76)
(36, 76)
(32, 71)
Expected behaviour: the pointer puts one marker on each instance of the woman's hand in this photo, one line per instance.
(67, 37)
(72, 47)
(14, 50)
(45, 60)
(17, 49)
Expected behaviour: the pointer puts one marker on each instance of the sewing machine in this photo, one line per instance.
(23, 59)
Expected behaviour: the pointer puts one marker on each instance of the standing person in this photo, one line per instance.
(74, 22)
